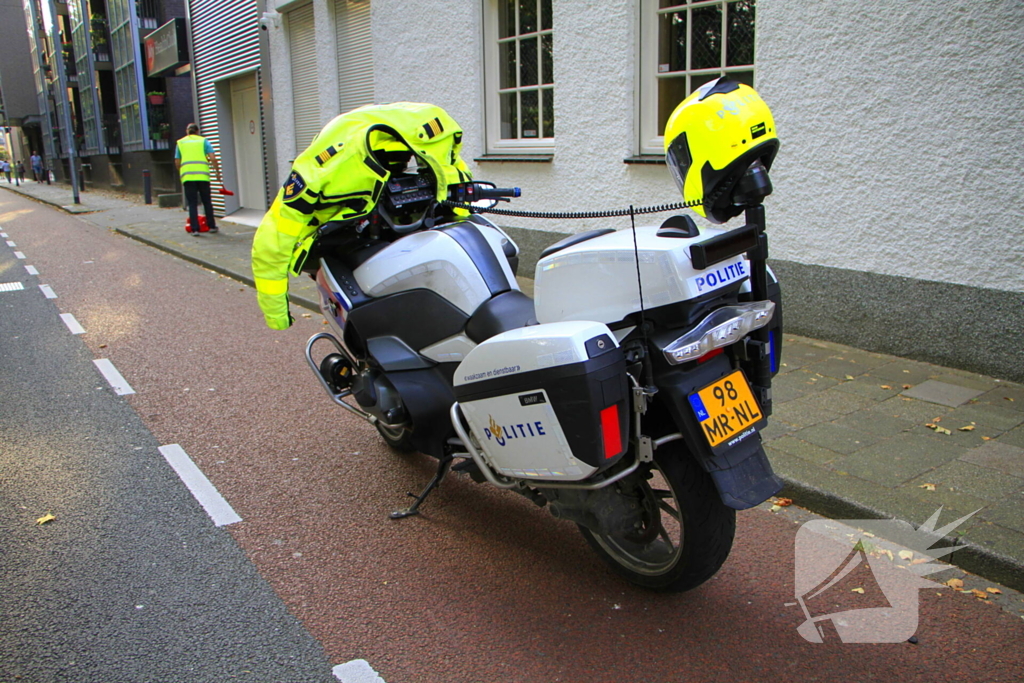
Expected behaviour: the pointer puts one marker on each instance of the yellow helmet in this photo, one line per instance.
(713, 138)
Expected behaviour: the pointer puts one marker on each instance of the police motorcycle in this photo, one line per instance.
(627, 397)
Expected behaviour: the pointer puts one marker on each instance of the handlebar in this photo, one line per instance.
(470, 192)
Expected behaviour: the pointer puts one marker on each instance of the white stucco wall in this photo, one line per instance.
(899, 123)
(900, 126)
(594, 44)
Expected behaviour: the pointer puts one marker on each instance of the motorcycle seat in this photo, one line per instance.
(507, 311)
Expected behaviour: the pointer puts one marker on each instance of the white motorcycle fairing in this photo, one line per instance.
(597, 279)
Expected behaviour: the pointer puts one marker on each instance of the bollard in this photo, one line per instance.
(147, 186)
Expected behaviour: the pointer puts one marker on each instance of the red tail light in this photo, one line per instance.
(610, 431)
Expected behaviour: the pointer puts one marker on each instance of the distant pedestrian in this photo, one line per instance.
(36, 162)
(193, 158)
(21, 171)
(5, 166)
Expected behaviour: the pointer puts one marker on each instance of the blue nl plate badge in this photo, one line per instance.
(698, 407)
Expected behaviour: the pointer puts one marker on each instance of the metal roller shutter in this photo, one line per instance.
(225, 41)
(355, 53)
(305, 86)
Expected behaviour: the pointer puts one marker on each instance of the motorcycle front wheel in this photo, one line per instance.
(397, 438)
(687, 532)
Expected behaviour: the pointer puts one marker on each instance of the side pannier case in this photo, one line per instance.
(547, 401)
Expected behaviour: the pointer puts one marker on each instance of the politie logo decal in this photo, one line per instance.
(503, 434)
(294, 186)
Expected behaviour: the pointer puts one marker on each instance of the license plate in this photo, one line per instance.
(725, 408)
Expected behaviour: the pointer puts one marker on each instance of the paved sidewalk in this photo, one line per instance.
(855, 434)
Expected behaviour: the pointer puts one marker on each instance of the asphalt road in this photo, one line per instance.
(482, 587)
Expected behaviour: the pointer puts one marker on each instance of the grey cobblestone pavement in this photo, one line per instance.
(854, 434)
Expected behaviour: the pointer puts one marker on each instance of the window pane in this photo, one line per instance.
(506, 18)
(527, 16)
(545, 14)
(507, 64)
(706, 50)
(548, 123)
(746, 77)
(739, 49)
(671, 91)
(531, 119)
(528, 62)
(509, 115)
(672, 42)
(547, 74)
(665, 4)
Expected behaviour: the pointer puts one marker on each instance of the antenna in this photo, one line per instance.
(643, 319)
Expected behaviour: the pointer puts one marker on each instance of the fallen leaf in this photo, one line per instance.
(325, 322)
(1007, 398)
(927, 487)
(906, 554)
(937, 419)
(775, 508)
(869, 534)
(930, 425)
(307, 315)
(887, 553)
(886, 386)
(45, 518)
(955, 584)
(857, 590)
(979, 594)
(986, 438)
(784, 502)
(921, 560)
(103, 346)
(995, 591)
(966, 428)
(849, 377)
(907, 386)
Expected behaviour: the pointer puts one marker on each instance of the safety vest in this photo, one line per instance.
(338, 178)
(194, 165)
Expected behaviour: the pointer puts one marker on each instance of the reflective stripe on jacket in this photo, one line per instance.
(194, 165)
(338, 178)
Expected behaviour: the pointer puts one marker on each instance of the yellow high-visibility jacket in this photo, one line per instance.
(338, 178)
(194, 164)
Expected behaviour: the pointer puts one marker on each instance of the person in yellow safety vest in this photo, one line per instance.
(193, 157)
(340, 177)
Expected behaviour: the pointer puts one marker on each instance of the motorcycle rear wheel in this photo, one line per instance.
(692, 529)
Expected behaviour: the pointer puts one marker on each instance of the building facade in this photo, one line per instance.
(892, 225)
(232, 95)
(100, 106)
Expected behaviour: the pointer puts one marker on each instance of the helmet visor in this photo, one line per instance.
(678, 159)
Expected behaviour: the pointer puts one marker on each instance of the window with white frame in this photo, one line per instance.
(520, 80)
(685, 45)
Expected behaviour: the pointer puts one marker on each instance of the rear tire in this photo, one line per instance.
(398, 439)
(691, 530)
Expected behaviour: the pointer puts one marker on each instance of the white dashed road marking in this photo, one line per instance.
(48, 291)
(72, 324)
(11, 244)
(208, 496)
(113, 377)
(31, 270)
(18, 254)
(11, 286)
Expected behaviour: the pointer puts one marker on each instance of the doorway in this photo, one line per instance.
(248, 139)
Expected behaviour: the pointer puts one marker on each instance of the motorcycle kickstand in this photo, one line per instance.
(414, 509)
